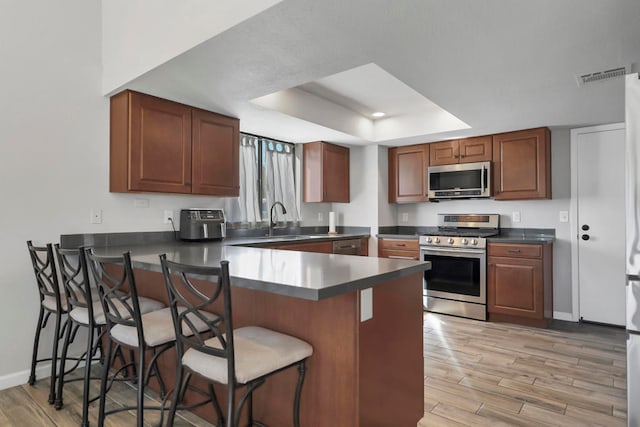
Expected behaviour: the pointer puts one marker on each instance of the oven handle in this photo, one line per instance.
(451, 251)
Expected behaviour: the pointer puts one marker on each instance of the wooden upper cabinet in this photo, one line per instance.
(157, 145)
(522, 164)
(325, 172)
(216, 150)
(408, 173)
(467, 150)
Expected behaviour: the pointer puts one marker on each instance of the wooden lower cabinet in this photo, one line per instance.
(520, 283)
(398, 248)
(325, 247)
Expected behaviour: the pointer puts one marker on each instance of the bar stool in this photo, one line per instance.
(85, 311)
(237, 358)
(51, 303)
(129, 327)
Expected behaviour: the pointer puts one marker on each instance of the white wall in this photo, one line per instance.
(534, 214)
(54, 165)
(140, 35)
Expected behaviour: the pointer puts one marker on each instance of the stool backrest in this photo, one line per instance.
(197, 291)
(75, 277)
(44, 268)
(117, 288)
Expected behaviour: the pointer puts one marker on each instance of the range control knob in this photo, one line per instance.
(450, 240)
(474, 242)
(436, 240)
(465, 241)
(429, 239)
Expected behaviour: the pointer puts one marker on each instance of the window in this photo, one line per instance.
(266, 176)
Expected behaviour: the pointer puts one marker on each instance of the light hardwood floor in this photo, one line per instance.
(476, 374)
(494, 374)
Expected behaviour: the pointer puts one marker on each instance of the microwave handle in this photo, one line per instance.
(482, 177)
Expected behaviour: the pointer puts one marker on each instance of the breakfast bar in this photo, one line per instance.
(362, 315)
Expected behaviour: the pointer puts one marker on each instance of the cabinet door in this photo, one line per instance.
(216, 145)
(478, 149)
(335, 171)
(444, 153)
(160, 145)
(522, 165)
(325, 172)
(408, 173)
(515, 287)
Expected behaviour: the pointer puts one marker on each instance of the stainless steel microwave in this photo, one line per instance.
(459, 181)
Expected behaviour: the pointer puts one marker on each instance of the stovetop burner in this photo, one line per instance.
(462, 231)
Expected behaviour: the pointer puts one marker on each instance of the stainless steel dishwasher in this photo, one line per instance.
(347, 247)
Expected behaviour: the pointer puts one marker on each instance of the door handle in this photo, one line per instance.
(585, 237)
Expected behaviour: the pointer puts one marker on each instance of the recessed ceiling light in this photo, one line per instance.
(378, 114)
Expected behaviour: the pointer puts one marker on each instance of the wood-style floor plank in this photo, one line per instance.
(568, 375)
(476, 374)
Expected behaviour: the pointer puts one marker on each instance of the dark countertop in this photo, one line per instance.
(306, 275)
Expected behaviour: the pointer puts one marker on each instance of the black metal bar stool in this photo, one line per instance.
(52, 302)
(237, 358)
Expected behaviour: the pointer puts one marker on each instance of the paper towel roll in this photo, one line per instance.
(332, 222)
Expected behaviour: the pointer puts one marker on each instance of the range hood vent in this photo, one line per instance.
(599, 76)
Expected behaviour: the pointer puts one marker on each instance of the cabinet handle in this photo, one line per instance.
(513, 251)
(400, 244)
(401, 257)
(462, 156)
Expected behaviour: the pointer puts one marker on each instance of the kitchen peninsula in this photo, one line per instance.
(362, 315)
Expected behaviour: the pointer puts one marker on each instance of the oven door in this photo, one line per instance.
(457, 274)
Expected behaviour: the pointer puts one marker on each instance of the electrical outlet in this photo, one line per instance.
(404, 217)
(564, 216)
(515, 216)
(96, 216)
(168, 216)
(320, 217)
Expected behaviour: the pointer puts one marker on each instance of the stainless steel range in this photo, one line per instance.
(457, 281)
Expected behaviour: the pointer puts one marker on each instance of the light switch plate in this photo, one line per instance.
(96, 216)
(404, 217)
(515, 216)
(564, 216)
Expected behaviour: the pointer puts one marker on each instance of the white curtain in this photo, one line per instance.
(279, 185)
(246, 208)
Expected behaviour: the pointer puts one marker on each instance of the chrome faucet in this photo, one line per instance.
(272, 223)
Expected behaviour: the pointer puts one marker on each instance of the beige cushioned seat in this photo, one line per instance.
(81, 314)
(157, 327)
(258, 351)
(49, 303)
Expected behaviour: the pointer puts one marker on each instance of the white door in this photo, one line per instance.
(601, 223)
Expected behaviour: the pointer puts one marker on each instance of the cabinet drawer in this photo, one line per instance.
(401, 244)
(398, 254)
(514, 250)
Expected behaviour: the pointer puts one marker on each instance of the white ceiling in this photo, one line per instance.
(496, 65)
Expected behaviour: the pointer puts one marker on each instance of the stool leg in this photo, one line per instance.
(63, 362)
(54, 358)
(141, 382)
(36, 343)
(87, 375)
(105, 378)
(296, 400)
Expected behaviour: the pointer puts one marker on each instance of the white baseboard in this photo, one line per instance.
(22, 377)
(561, 315)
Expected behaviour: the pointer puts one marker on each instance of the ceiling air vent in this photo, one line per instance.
(601, 76)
